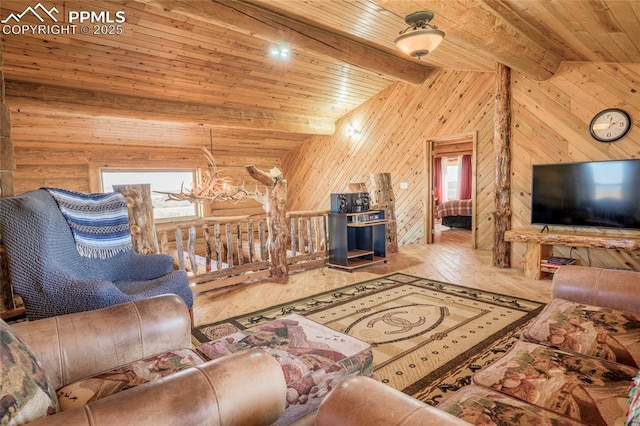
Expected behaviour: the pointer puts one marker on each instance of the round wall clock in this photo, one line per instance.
(610, 125)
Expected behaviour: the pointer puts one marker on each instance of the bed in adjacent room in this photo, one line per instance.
(455, 213)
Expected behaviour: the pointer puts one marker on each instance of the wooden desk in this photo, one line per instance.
(540, 245)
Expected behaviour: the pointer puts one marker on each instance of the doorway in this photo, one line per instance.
(448, 148)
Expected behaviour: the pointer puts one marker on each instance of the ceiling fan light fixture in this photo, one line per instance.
(420, 37)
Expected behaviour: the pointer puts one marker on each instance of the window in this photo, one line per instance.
(451, 178)
(160, 180)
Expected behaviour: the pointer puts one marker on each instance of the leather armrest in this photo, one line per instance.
(77, 345)
(364, 401)
(245, 388)
(611, 288)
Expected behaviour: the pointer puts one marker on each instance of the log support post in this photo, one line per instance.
(502, 154)
(386, 201)
(358, 187)
(7, 162)
(274, 203)
(7, 167)
(143, 231)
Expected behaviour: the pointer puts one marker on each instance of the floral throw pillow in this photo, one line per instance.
(25, 392)
(590, 390)
(596, 331)
(633, 413)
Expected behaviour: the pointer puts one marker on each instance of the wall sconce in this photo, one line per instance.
(351, 131)
(420, 37)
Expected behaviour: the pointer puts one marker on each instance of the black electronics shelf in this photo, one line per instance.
(357, 239)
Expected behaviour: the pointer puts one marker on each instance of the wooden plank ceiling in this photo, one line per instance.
(205, 64)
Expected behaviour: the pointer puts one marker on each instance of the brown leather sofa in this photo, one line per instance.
(247, 388)
(612, 288)
(364, 401)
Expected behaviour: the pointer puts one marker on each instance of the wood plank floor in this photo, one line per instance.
(450, 259)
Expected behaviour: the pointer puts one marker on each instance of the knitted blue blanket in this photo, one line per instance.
(99, 222)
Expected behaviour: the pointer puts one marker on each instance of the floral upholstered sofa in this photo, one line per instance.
(576, 363)
(314, 359)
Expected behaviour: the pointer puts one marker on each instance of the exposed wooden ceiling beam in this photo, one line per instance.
(475, 26)
(88, 102)
(273, 27)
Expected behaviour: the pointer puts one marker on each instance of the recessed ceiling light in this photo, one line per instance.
(279, 51)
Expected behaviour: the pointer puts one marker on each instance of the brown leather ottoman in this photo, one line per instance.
(314, 358)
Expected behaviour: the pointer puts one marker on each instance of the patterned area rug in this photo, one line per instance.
(427, 336)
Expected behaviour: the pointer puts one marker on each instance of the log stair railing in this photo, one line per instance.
(220, 251)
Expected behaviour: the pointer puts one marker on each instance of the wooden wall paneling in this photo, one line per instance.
(594, 90)
(372, 139)
(387, 157)
(415, 212)
(395, 124)
(545, 146)
(546, 127)
(595, 79)
(485, 177)
(74, 177)
(551, 125)
(313, 158)
(555, 118)
(58, 149)
(465, 107)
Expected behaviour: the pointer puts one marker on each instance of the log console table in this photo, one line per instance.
(540, 245)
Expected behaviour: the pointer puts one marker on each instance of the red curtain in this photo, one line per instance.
(465, 178)
(437, 179)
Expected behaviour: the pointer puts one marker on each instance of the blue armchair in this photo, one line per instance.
(53, 278)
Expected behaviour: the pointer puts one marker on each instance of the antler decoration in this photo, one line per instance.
(214, 187)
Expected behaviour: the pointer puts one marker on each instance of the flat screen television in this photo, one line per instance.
(593, 194)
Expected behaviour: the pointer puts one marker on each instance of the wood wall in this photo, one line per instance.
(7, 164)
(393, 129)
(549, 124)
(58, 149)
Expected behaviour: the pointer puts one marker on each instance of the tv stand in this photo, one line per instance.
(357, 239)
(540, 245)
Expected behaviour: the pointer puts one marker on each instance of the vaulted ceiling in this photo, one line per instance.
(186, 64)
